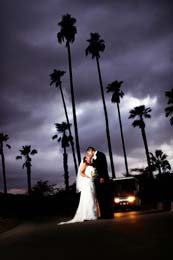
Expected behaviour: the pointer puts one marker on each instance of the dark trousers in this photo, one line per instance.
(105, 199)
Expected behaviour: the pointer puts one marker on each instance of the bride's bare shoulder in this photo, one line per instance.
(82, 169)
(83, 166)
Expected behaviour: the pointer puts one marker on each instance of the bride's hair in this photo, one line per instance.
(91, 148)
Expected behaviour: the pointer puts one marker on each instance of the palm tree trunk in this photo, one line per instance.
(29, 179)
(122, 138)
(106, 120)
(73, 104)
(66, 175)
(71, 138)
(4, 171)
(146, 151)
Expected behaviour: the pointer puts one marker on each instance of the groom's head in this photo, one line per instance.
(90, 151)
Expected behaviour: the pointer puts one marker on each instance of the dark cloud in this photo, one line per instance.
(138, 40)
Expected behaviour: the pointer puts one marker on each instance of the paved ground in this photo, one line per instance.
(129, 236)
(7, 224)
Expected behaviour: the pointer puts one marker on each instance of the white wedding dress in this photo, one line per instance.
(87, 208)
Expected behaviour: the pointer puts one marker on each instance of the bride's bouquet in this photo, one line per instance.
(94, 173)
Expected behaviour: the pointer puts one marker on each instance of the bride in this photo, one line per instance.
(87, 208)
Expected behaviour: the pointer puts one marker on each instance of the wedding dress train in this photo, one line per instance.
(87, 208)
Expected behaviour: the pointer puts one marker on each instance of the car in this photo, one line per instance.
(126, 193)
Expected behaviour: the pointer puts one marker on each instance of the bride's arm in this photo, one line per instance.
(82, 170)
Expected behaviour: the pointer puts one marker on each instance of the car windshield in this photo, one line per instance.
(124, 187)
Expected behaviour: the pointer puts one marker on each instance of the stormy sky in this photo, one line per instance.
(137, 37)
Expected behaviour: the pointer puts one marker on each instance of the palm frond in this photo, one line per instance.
(56, 77)
(34, 151)
(62, 127)
(159, 161)
(3, 137)
(18, 157)
(115, 87)
(59, 139)
(140, 111)
(168, 111)
(137, 123)
(26, 150)
(169, 95)
(54, 137)
(96, 45)
(24, 165)
(132, 113)
(68, 29)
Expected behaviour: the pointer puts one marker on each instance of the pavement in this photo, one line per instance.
(130, 235)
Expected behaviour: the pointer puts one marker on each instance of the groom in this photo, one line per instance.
(102, 182)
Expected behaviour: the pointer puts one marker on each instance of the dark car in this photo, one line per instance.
(126, 193)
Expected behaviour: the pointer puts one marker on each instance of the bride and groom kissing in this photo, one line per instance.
(95, 189)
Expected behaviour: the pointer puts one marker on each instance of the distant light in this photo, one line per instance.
(16, 191)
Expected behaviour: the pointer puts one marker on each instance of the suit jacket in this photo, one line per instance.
(100, 163)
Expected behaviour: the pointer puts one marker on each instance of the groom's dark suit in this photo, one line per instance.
(103, 190)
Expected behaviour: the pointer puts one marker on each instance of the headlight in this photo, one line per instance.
(131, 199)
(116, 200)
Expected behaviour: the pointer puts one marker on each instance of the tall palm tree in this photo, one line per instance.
(56, 78)
(115, 87)
(159, 161)
(4, 138)
(26, 153)
(97, 45)
(169, 109)
(141, 112)
(64, 139)
(67, 33)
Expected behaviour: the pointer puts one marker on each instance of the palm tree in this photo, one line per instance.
(67, 33)
(159, 161)
(26, 153)
(96, 45)
(115, 87)
(141, 112)
(169, 110)
(4, 138)
(64, 139)
(56, 78)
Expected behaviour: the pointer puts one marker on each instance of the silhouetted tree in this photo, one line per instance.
(97, 45)
(64, 139)
(4, 138)
(159, 161)
(169, 109)
(56, 79)
(141, 112)
(67, 33)
(42, 188)
(148, 186)
(115, 88)
(26, 153)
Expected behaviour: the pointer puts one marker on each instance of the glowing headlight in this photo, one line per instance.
(131, 199)
(116, 200)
